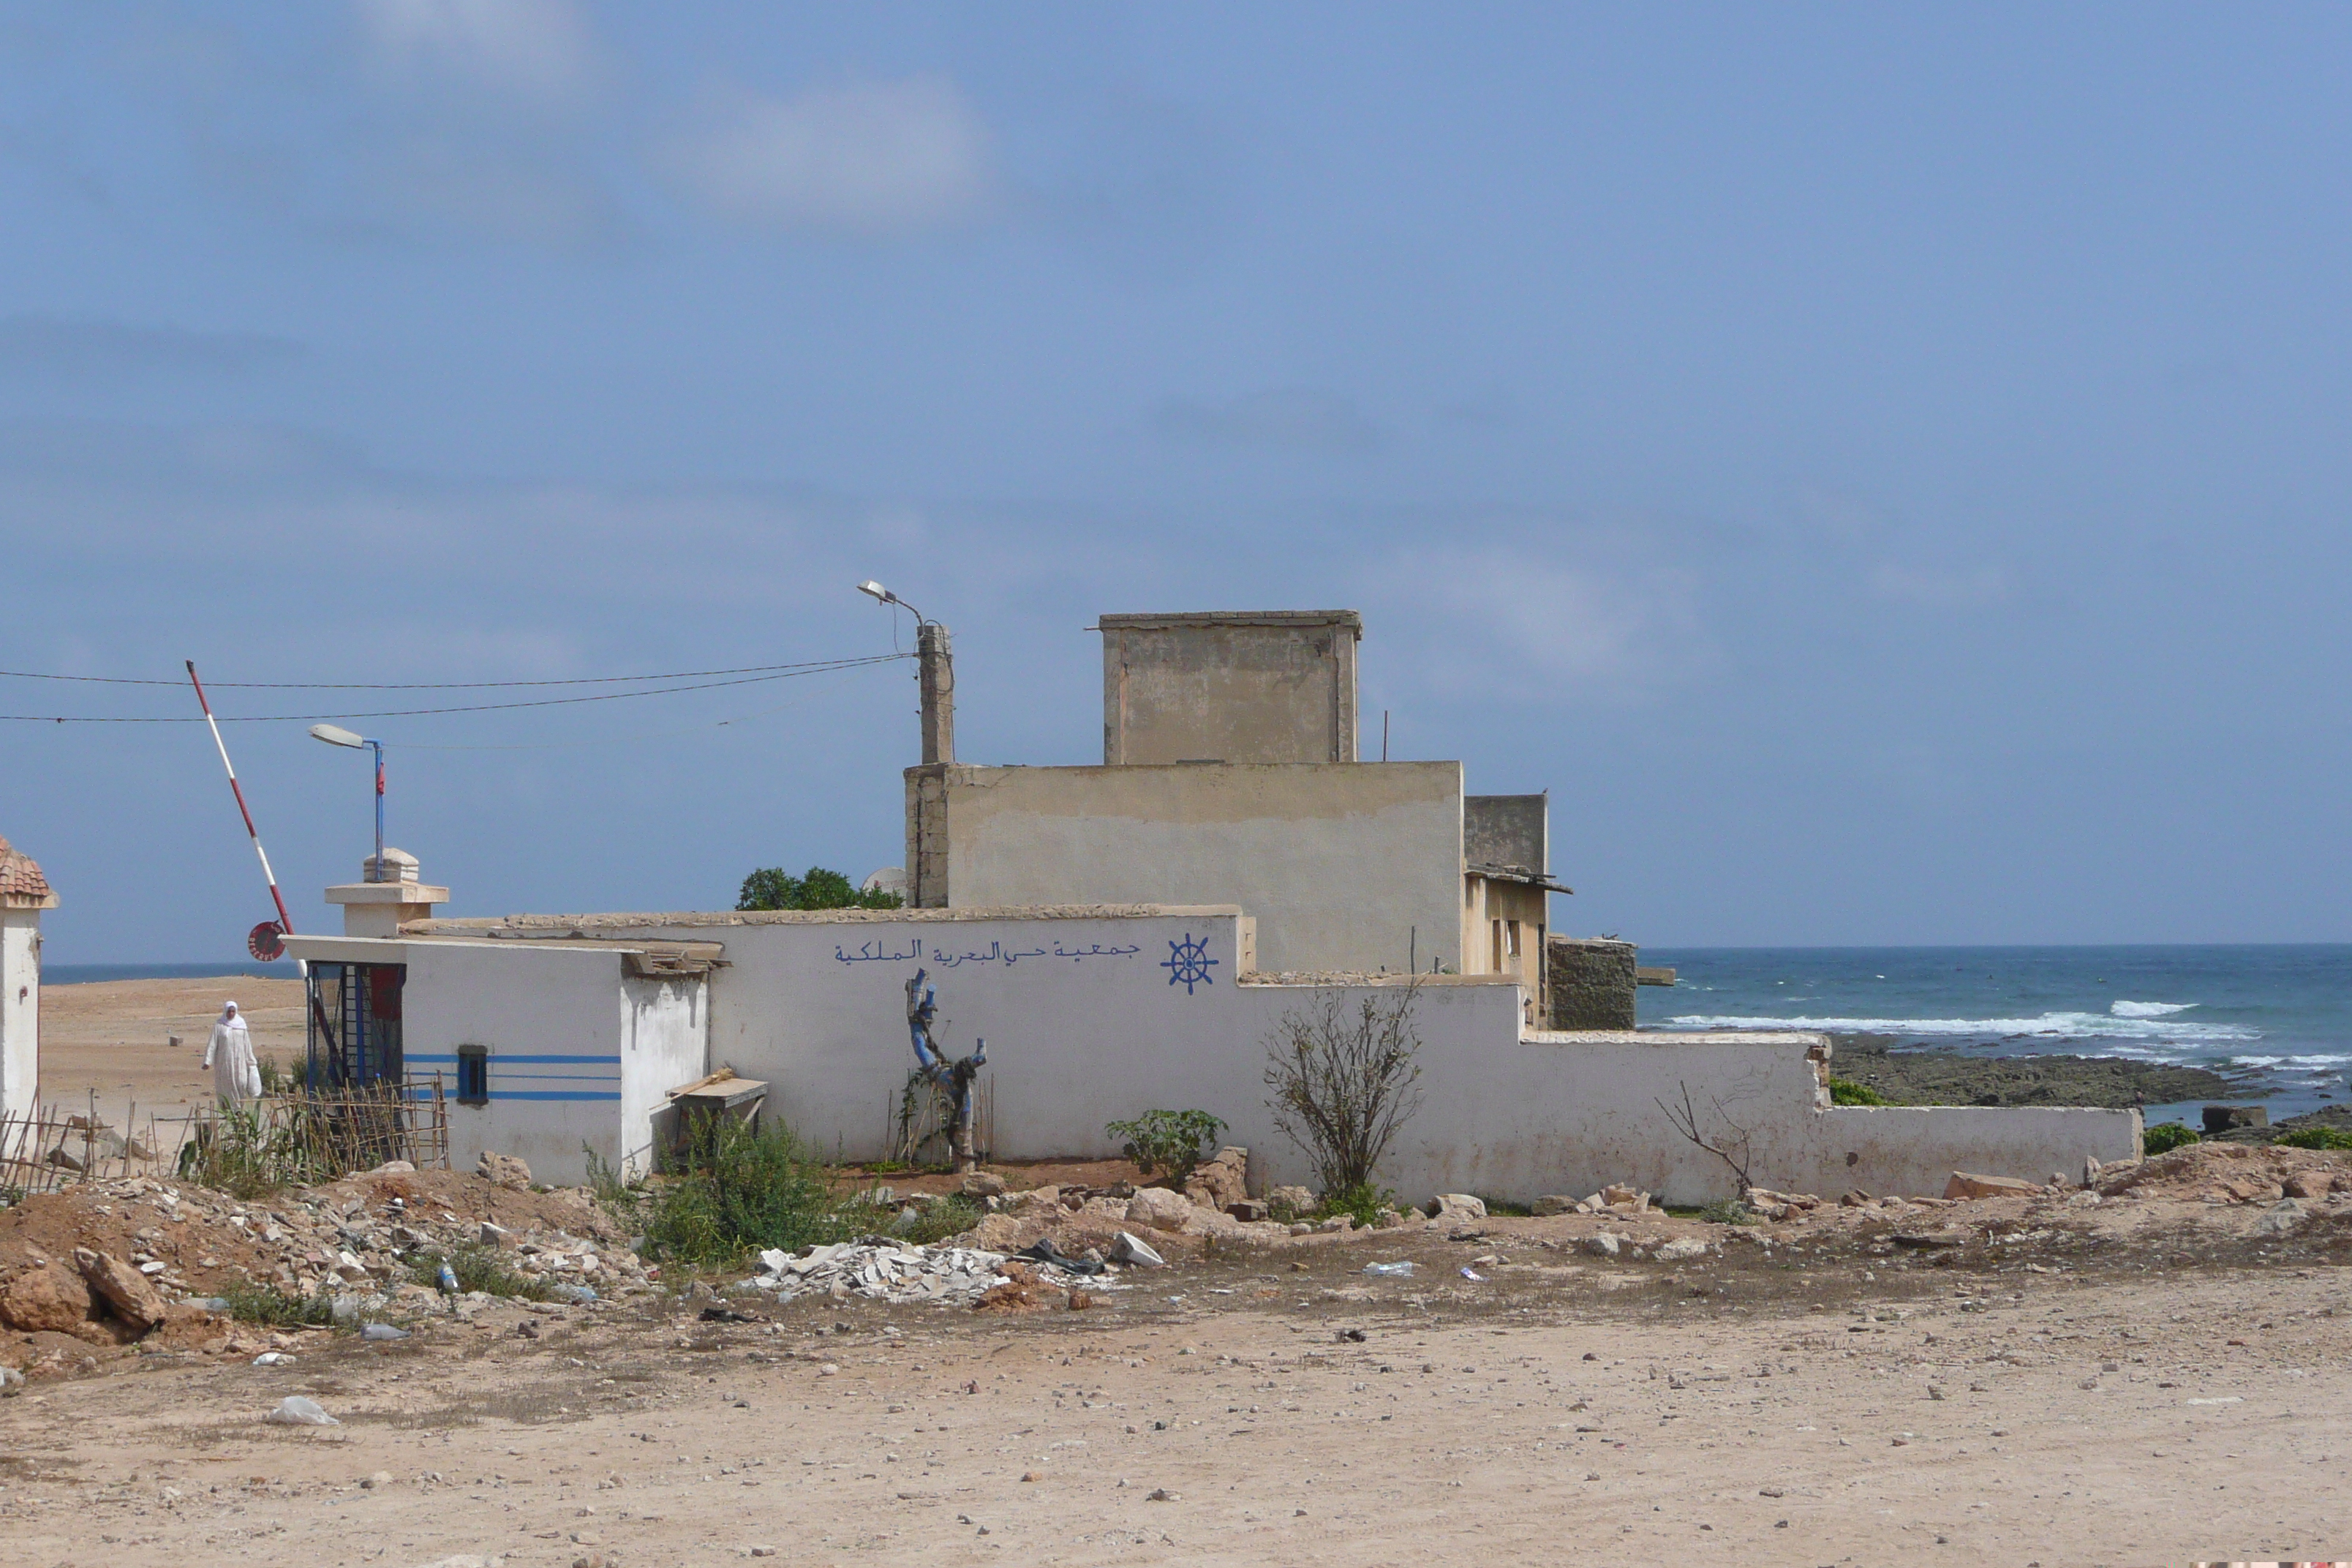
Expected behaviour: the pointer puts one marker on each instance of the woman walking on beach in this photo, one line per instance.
(236, 1076)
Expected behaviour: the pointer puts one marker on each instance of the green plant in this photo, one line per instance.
(774, 888)
(935, 1222)
(274, 1079)
(1729, 1211)
(743, 1190)
(612, 1189)
(252, 1301)
(2165, 1137)
(482, 1268)
(1170, 1142)
(1361, 1203)
(1344, 1080)
(1846, 1091)
(2314, 1138)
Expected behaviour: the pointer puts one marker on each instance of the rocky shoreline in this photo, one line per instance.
(1909, 1074)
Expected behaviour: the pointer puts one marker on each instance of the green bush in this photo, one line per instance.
(1170, 1142)
(2314, 1138)
(774, 888)
(2165, 1137)
(1846, 1091)
(1729, 1211)
(252, 1301)
(1361, 1203)
(741, 1191)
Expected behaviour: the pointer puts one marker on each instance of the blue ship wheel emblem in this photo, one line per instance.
(1189, 961)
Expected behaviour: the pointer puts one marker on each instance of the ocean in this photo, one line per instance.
(2276, 1020)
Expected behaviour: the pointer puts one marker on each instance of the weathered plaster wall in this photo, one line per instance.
(1913, 1149)
(1348, 866)
(1592, 981)
(665, 1043)
(1507, 830)
(20, 1011)
(1273, 687)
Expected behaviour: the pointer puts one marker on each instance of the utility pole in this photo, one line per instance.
(936, 675)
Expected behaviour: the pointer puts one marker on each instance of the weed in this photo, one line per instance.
(483, 1268)
(1166, 1142)
(1361, 1203)
(612, 1189)
(2309, 1137)
(1504, 1208)
(1729, 1211)
(274, 1079)
(743, 1190)
(1846, 1091)
(2166, 1136)
(252, 1301)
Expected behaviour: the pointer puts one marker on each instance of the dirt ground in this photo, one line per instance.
(112, 1037)
(2158, 1372)
(2159, 1377)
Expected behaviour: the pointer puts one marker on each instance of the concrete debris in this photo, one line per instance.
(1457, 1206)
(887, 1271)
(984, 1184)
(1222, 1181)
(1292, 1202)
(1129, 1248)
(1551, 1203)
(1679, 1250)
(1604, 1245)
(1159, 1209)
(505, 1170)
(1965, 1185)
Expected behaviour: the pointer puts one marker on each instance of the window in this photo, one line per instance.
(1513, 928)
(473, 1075)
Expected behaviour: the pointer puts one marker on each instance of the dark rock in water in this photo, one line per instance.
(1934, 1077)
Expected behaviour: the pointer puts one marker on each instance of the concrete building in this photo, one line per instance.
(24, 894)
(1230, 775)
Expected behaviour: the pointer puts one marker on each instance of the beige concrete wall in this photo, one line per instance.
(20, 1011)
(1503, 932)
(1279, 687)
(1351, 866)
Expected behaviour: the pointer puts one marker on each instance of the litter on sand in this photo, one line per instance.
(295, 1411)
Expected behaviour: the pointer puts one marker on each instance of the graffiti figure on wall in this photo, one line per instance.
(952, 1078)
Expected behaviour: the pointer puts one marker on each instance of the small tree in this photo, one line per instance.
(774, 888)
(1166, 1141)
(1343, 1080)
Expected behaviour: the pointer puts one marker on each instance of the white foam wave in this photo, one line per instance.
(2053, 1026)
(2148, 1009)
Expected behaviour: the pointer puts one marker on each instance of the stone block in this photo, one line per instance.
(1591, 981)
(1965, 1185)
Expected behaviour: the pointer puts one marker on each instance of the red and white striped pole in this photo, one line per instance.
(285, 921)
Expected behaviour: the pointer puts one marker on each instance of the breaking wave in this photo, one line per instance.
(2148, 1009)
(2154, 1031)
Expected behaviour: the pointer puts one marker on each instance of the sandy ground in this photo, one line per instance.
(112, 1037)
(2152, 1379)
(2062, 1399)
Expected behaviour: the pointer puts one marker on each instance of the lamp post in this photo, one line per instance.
(334, 735)
(935, 663)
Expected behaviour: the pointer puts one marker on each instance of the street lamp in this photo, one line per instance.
(335, 735)
(880, 594)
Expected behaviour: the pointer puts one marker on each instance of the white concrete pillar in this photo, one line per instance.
(385, 895)
(24, 894)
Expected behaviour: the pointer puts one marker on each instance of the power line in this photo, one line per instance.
(428, 685)
(782, 673)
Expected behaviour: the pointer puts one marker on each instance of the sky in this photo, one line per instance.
(1882, 469)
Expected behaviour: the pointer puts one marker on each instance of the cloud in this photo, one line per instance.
(99, 348)
(1503, 623)
(541, 51)
(1937, 588)
(866, 158)
(1297, 419)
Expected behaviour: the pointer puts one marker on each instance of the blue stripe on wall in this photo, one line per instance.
(505, 1057)
(530, 1094)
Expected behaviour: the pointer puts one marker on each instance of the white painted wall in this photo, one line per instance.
(1347, 866)
(665, 1039)
(818, 1009)
(20, 1011)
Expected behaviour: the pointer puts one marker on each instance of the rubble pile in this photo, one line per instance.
(2233, 1174)
(897, 1272)
(111, 1262)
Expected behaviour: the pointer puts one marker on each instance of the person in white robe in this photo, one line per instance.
(237, 1076)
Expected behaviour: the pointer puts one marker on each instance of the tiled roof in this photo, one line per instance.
(20, 878)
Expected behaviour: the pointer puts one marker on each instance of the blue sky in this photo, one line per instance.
(1883, 469)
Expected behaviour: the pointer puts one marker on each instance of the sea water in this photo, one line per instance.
(2277, 1021)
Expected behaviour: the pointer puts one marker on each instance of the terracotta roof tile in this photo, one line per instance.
(19, 876)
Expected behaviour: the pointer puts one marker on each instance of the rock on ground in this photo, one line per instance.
(505, 1170)
(44, 1298)
(125, 1289)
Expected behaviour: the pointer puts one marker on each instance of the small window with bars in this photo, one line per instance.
(473, 1075)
